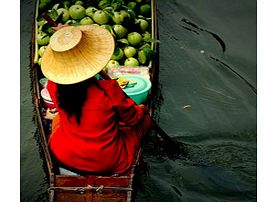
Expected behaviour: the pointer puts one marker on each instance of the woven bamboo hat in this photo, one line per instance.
(77, 53)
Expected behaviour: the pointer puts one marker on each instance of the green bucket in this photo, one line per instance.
(139, 91)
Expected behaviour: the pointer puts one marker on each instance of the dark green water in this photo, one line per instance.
(208, 61)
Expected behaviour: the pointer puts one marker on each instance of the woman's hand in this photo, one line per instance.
(51, 113)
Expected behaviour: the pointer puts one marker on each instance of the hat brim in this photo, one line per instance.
(85, 60)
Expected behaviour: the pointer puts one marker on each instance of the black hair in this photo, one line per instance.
(71, 97)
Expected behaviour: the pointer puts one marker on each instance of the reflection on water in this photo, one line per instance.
(207, 103)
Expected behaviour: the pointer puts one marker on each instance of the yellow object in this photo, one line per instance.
(76, 53)
(122, 82)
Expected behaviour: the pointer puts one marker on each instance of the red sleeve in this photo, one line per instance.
(51, 87)
(128, 111)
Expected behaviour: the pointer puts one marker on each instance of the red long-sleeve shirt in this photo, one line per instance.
(96, 145)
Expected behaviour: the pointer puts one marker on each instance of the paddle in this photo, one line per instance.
(172, 146)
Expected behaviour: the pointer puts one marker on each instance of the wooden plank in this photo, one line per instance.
(92, 180)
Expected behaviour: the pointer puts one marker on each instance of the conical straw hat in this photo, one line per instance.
(77, 53)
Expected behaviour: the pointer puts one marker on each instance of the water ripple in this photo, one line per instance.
(235, 72)
(214, 35)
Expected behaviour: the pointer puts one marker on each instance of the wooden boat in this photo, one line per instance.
(89, 187)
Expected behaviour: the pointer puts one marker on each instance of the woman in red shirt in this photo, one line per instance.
(87, 134)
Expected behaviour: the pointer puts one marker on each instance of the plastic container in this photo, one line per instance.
(49, 104)
(47, 99)
(43, 82)
(139, 91)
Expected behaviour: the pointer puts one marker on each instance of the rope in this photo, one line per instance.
(89, 187)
